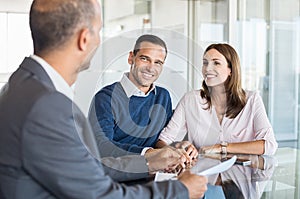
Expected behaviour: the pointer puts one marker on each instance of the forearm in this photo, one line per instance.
(130, 148)
(252, 147)
(260, 163)
(126, 168)
(110, 148)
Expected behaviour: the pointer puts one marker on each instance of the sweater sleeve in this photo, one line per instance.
(169, 108)
(103, 124)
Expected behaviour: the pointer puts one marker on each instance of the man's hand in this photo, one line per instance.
(166, 158)
(190, 150)
(196, 185)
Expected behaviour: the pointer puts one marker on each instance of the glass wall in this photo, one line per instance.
(212, 21)
(15, 40)
(268, 43)
(265, 33)
(266, 36)
(123, 27)
(284, 42)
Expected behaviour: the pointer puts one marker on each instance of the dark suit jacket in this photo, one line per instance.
(41, 150)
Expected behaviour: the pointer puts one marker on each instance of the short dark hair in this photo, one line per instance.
(149, 38)
(53, 22)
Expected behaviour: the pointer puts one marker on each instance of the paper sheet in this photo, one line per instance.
(159, 176)
(219, 168)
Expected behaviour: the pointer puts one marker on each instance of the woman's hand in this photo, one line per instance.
(189, 150)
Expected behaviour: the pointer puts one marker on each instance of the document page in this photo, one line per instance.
(219, 168)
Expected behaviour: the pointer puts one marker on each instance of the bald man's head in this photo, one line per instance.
(54, 22)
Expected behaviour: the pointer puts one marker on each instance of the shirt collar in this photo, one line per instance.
(59, 83)
(131, 90)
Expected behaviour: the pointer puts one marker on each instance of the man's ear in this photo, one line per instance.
(83, 39)
(130, 58)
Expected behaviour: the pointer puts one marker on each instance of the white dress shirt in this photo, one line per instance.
(59, 83)
(131, 89)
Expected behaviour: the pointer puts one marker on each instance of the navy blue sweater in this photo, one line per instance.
(130, 123)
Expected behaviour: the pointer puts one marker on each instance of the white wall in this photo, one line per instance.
(113, 11)
(166, 13)
(12, 41)
(15, 5)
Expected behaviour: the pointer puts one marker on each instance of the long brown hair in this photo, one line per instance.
(236, 96)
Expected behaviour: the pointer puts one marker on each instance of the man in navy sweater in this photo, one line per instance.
(132, 112)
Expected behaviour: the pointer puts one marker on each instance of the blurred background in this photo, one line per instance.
(265, 33)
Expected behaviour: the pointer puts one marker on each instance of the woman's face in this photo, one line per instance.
(215, 68)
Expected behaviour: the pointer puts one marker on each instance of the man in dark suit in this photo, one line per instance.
(47, 149)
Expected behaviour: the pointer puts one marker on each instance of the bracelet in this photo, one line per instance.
(224, 147)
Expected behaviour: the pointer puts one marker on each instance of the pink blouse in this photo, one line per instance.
(204, 129)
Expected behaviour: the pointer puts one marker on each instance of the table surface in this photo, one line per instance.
(285, 180)
(276, 177)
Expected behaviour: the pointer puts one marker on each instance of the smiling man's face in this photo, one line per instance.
(146, 65)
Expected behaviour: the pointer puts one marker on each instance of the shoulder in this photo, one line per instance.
(162, 93)
(252, 95)
(192, 96)
(254, 99)
(30, 92)
(108, 94)
(192, 99)
(53, 108)
(161, 90)
(54, 102)
(108, 90)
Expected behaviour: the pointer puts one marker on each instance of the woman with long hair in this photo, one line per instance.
(221, 117)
